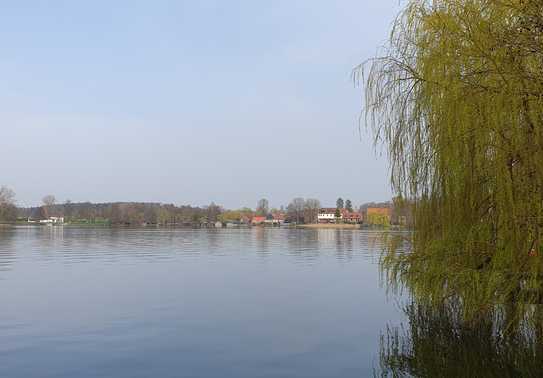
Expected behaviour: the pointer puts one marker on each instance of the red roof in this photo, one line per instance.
(353, 215)
(350, 214)
(327, 210)
(258, 219)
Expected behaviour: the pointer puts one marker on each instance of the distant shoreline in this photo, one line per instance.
(312, 226)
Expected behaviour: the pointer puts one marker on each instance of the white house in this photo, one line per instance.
(53, 220)
(327, 215)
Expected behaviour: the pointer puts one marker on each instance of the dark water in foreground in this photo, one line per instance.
(190, 303)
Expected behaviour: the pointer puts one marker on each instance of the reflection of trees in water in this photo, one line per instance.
(7, 256)
(303, 243)
(262, 237)
(213, 237)
(344, 244)
(437, 343)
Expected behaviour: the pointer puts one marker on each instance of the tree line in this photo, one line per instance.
(299, 210)
(125, 213)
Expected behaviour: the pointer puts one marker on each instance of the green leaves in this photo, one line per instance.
(457, 98)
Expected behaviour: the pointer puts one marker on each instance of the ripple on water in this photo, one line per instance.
(148, 302)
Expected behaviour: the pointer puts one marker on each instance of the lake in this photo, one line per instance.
(260, 302)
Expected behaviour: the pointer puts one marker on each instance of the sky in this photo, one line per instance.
(189, 102)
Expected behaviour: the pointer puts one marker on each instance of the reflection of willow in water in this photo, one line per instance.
(438, 343)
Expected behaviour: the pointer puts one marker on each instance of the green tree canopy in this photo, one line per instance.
(457, 98)
(337, 214)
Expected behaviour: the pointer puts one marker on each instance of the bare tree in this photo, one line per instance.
(48, 202)
(8, 211)
(262, 207)
(311, 210)
(295, 209)
(67, 209)
(7, 196)
(213, 212)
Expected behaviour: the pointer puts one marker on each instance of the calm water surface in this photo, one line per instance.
(190, 303)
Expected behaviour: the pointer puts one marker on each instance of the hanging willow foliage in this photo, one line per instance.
(457, 98)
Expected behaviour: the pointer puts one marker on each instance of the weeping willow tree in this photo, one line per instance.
(457, 99)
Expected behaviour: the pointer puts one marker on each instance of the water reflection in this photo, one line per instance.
(124, 302)
(303, 245)
(262, 237)
(437, 343)
(7, 256)
(82, 245)
(344, 244)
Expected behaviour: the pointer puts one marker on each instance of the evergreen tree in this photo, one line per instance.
(338, 214)
(349, 205)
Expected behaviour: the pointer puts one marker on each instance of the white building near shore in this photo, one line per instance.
(53, 220)
(327, 215)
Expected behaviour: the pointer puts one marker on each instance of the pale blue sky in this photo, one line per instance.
(188, 101)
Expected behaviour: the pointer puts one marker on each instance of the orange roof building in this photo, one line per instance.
(258, 220)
